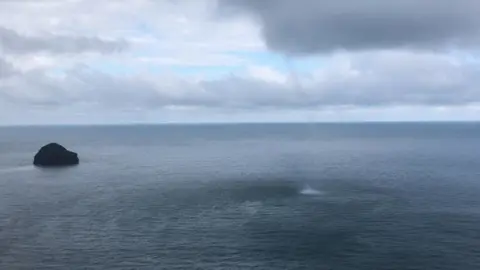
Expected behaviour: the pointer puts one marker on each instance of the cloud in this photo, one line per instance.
(57, 59)
(175, 33)
(12, 42)
(389, 78)
(6, 69)
(322, 26)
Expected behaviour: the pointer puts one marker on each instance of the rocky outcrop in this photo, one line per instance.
(55, 155)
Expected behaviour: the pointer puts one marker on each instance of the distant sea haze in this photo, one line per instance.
(246, 196)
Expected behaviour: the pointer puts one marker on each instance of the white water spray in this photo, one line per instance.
(307, 190)
(16, 169)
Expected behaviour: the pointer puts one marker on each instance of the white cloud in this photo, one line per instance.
(267, 74)
(366, 79)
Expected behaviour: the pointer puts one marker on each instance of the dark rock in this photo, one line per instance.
(55, 155)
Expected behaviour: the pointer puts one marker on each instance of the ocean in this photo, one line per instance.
(244, 196)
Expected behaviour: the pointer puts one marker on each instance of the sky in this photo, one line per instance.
(198, 61)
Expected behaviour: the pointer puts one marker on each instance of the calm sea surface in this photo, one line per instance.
(277, 196)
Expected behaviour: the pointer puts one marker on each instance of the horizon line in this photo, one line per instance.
(243, 123)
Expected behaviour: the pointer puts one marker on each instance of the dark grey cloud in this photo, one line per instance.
(13, 42)
(319, 26)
